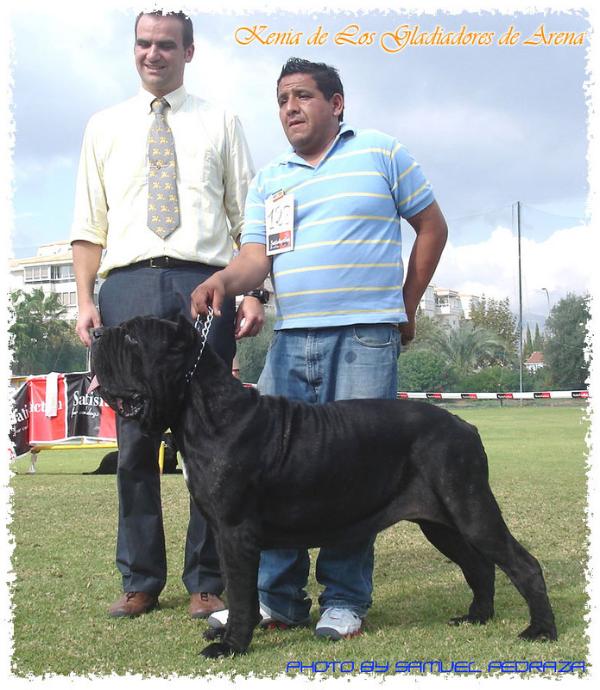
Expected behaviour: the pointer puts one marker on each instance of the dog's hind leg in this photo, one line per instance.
(525, 573)
(479, 572)
(481, 525)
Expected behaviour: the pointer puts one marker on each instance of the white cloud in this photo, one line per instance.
(560, 264)
(446, 125)
(31, 168)
(247, 89)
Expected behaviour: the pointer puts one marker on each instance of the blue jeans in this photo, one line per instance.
(318, 366)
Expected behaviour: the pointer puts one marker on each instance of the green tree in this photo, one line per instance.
(42, 340)
(465, 347)
(423, 370)
(564, 351)
(494, 379)
(496, 316)
(538, 340)
(528, 343)
(427, 330)
(500, 379)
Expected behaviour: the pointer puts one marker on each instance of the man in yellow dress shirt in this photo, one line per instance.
(152, 271)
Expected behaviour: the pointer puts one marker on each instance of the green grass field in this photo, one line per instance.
(64, 527)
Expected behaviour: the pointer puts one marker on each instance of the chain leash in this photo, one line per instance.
(203, 326)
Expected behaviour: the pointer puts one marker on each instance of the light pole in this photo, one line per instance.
(547, 297)
(520, 297)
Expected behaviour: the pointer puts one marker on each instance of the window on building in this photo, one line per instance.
(62, 272)
(37, 274)
(68, 299)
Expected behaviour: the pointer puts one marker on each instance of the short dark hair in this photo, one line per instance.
(326, 77)
(186, 24)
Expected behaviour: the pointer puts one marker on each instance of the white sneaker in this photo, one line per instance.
(338, 623)
(218, 619)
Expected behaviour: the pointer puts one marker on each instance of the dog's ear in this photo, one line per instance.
(186, 331)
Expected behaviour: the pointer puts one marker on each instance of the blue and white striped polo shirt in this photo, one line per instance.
(346, 266)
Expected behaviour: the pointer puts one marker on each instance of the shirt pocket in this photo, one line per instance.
(200, 171)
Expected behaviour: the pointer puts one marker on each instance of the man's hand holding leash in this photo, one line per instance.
(247, 271)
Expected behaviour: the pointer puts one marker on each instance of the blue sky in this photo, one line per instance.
(489, 124)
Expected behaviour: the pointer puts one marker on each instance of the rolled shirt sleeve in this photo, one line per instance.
(90, 215)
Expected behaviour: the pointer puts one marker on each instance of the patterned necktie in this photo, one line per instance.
(163, 205)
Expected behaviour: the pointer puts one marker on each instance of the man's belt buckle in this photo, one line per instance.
(159, 262)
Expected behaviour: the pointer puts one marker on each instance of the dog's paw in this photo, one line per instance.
(211, 634)
(216, 650)
(540, 633)
(472, 620)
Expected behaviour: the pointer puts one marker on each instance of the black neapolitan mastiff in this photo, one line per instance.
(268, 472)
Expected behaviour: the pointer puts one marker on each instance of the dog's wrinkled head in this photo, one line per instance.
(140, 368)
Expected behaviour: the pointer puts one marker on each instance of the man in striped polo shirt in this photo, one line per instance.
(324, 220)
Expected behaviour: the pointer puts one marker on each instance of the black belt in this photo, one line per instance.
(158, 262)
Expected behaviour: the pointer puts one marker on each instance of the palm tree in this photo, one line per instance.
(41, 339)
(466, 347)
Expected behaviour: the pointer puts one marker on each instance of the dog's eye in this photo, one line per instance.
(129, 340)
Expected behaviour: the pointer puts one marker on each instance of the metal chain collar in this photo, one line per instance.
(203, 326)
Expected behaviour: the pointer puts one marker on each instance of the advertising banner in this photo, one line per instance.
(56, 408)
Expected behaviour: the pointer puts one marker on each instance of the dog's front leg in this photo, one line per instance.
(239, 555)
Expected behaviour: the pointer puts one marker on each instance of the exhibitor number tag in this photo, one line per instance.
(279, 223)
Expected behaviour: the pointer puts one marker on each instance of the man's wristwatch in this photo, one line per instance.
(261, 295)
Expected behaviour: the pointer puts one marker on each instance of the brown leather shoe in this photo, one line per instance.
(133, 604)
(202, 604)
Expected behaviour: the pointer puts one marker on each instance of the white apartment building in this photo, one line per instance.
(445, 305)
(449, 306)
(427, 303)
(51, 269)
